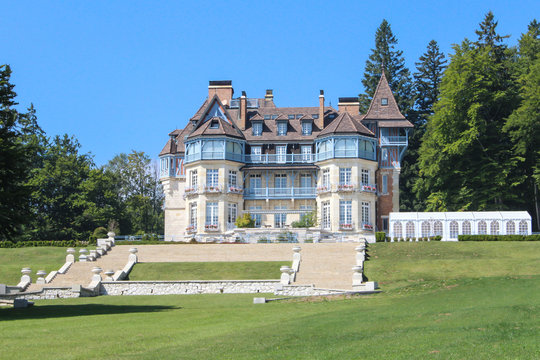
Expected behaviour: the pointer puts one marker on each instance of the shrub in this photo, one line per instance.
(58, 243)
(535, 237)
(245, 221)
(193, 241)
(436, 238)
(306, 221)
(380, 236)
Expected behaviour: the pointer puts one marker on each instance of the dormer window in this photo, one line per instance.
(384, 101)
(214, 124)
(257, 128)
(306, 127)
(291, 116)
(266, 117)
(282, 128)
(274, 117)
(315, 116)
(298, 116)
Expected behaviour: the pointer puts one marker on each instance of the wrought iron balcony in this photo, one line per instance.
(233, 189)
(367, 226)
(190, 191)
(324, 189)
(346, 187)
(280, 193)
(213, 189)
(211, 227)
(368, 188)
(346, 225)
(191, 229)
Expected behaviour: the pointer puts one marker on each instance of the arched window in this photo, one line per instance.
(494, 228)
(437, 228)
(482, 228)
(510, 228)
(398, 229)
(454, 230)
(523, 228)
(466, 228)
(409, 229)
(425, 229)
(345, 148)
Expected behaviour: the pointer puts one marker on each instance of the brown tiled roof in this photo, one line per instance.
(345, 124)
(294, 126)
(257, 116)
(225, 128)
(199, 112)
(282, 117)
(383, 112)
(175, 147)
(394, 123)
(306, 117)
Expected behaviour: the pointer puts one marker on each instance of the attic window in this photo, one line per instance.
(266, 117)
(331, 116)
(315, 116)
(274, 117)
(291, 116)
(298, 116)
(214, 124)
(384, 101)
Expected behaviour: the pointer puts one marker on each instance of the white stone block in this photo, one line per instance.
(259, 300)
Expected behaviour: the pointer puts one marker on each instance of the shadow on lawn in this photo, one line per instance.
(58, 311)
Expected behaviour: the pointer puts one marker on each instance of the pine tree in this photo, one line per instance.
(465, 157)
(385, 55)
(428, 78)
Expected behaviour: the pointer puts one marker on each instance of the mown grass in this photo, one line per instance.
(475, 313)
(246, 270)
(37, 258)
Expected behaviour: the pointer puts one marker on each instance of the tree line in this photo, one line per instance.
(476, 116)
(50, 190)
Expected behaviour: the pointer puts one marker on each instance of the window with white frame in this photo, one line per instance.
(409, 229)
(523, 228)
(425, 229)
(482, 228)
(232, 178)
(385, 184)
(213, 149)
(307, 209)
(280, 184)
(280, 218)
(345, 213)
(232, 213)
(212, 213)
(306, 153)
(212, 177)
(305, 181)
(454, 230)
(257, 128)
(193, 178)
(345, 176)
(255, 182)
(306, 127)
(345, 148)
(365, 177)
(437, 228)
(256, 152)
(365, 213)
(256, 217)
(193, 216)
(398, 230)
(494, 228)
(281, 153)
(326, 215)
(466, 228)
(510, 228)
(282, 128)
(326, 179)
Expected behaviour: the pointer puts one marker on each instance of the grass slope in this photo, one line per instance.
(481, 312)
(37, 258)
(252, 270)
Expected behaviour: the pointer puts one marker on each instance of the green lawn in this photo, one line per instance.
(37, 258)
(482, 310)
(248, 270)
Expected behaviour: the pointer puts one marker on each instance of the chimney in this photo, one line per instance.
(269, 94)
(320, 120)
(350, 105)
(222, 88)
(243, 111)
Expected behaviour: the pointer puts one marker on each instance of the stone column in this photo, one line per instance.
(285, 275)
(360, 255)
(26, 275)
(96, 271)
(70, 257)
(357, 275)
(133, 255)
(41, 276)
(82, 256)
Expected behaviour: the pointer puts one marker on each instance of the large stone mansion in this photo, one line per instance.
(239, 155)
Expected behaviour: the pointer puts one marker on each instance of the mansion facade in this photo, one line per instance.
(246, 155)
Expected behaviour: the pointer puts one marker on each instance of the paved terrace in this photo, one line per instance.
(327, 265)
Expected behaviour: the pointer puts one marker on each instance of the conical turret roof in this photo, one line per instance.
(381, 109)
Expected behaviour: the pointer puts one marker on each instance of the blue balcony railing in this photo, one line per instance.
(394, 140)
(280, 193)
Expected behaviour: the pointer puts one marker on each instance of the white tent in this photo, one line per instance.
(449, 225)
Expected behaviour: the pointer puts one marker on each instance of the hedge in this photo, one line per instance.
(535, 237)
(60, 243)
(380, 236)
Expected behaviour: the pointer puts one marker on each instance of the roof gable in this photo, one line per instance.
(345, 124)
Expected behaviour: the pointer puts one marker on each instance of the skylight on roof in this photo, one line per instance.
(384, 101)
(214, 124)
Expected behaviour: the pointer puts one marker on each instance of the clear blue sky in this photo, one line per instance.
(120, 75)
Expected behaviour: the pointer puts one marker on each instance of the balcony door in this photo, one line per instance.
(281, 154)
(255, 183)
(280, 184)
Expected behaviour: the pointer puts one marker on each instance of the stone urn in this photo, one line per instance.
(26, 271)
(97, 270)
(111, 234)
(296, 249)
(109, 274)
(70, 251)
(83, 251)
(41, 276)
(133, 250)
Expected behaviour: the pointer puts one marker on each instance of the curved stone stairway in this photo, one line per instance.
(326, 265)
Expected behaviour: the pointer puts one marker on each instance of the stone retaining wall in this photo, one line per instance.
(188, 287)
(44, 294)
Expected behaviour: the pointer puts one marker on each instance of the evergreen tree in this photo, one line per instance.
(523, 125)
(385, 55)
(428, 78)
(17, 154)
(464, 157)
